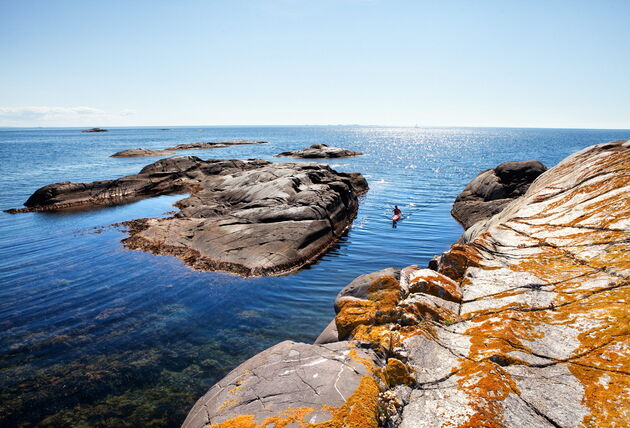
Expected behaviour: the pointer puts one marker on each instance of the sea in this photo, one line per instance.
(95, 335)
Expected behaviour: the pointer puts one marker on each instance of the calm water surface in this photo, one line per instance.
(94, 335)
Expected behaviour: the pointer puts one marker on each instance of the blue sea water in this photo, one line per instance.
(92, 334)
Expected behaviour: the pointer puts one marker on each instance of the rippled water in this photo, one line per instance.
(95, 335)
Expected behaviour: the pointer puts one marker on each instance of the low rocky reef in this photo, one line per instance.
(489, 192)
(524, 322)
(320, 151)
(213, 145)
(140, 152)
(94, 130)
(246, 217)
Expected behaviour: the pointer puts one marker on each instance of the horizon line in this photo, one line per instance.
(166, 127)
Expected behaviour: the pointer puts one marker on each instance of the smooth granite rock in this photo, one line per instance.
(489, 192)
(246, 217)
(293, 384)
(525, 324)
(213, 145)
(320, 151)
(139, 152)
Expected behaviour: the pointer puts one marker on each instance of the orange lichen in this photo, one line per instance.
(436, 285)
(359, 411)
(226, 404)
(398, 373)
(383, 295)
(585, 288)
(457, 260)
(247, 421)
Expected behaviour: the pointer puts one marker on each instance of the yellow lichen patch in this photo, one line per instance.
(226, 404)
(235, 389)
(397, 373)
(359, 411)
(247, 421)
(379, 308)
(436, 285)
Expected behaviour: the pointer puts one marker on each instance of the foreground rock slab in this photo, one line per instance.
(213, 145)
(320, 151)
(490, 191)
(293, 384)
(140, 152)
(246, 217)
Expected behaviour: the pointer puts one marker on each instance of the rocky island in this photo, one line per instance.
(489, 192)
(140, 152)
(245, 217)
(94, 130)
(320, 151)
(213, 145)
(523, 323)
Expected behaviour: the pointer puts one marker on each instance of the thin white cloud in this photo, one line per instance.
(128, 112)
(44, 113)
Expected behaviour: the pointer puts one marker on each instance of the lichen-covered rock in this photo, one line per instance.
(139, 152)
(526, 322)
(543, 335)
(246, 217)
(213, 145)
(490, 191)
(294, 384)
(320, 151)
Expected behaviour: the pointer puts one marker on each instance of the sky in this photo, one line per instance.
(554, 64)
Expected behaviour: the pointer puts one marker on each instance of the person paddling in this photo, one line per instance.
(397, 215)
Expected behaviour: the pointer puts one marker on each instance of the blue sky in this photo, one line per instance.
(274, 62)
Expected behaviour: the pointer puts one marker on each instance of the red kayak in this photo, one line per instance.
(396, 217)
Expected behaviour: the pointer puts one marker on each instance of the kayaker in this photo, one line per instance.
(396, 216)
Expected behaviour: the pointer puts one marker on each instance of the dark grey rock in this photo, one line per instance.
(94, 130)
(329, 334)
(489, 192)
(320, 151)
(213, 145)
(246, 217)
(139, 152)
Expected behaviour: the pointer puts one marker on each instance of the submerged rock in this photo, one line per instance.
(94, 130)
(524, 324)
(490, 191)
(130, 153)
(213, 145)
(246, 217)
(320, 151)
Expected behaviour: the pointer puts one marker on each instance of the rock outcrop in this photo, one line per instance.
(246, 217)
(213, 145)
(525, 323)
(132, 153)
(490, 191)
(320, 151)
(293, 383)
(94, 130)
